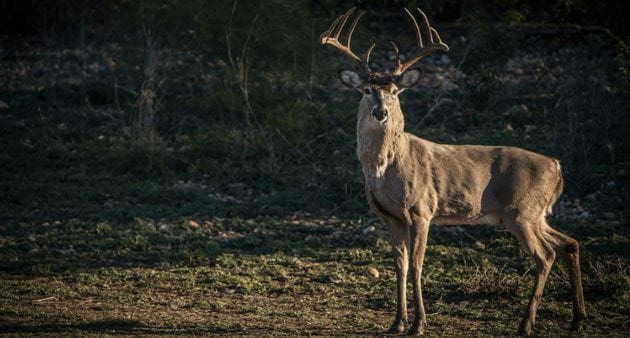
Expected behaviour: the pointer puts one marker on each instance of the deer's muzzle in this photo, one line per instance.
(380, 113)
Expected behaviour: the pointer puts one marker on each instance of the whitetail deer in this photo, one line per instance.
(411, 182)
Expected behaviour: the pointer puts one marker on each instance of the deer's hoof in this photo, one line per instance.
(577, 324)
(397, 328)
(417, 329)
(525, 330)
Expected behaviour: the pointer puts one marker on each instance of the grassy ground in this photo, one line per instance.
(277, 276)
(263, 230)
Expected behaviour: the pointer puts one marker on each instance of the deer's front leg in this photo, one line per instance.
(399, 237)
(418, 234)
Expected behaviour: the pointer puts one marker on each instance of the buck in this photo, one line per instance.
(411, 182)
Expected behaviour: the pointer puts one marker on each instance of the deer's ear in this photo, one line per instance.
(350, 79)
(409, 78)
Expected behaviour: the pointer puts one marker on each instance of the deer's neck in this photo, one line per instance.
(379, 148)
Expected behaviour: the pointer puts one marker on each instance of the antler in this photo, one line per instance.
(331, 37)
(434, 43)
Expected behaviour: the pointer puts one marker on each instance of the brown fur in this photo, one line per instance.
(411, 182)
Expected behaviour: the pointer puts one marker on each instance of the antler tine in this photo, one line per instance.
(428, 27)
(434, 43)
(352, 27)
(433, 33)
(328, 32)
(331, 36)
(397, 51)
(344, 19)
(417, 28)
(367, 55)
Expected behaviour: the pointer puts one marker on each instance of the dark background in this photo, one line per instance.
(239, 94)
(189, 167)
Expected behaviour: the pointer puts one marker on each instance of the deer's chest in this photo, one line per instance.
(391, 189)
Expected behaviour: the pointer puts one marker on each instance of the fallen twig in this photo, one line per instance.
(42, 300)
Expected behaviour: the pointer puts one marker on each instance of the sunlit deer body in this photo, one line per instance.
(411, 182)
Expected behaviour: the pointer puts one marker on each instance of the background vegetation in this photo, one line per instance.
(188, 166)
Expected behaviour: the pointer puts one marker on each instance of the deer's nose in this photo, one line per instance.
(380, 113)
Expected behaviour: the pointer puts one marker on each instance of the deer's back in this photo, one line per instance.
(478, 184)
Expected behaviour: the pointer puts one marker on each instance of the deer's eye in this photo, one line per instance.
(367, 90)
(393, 91)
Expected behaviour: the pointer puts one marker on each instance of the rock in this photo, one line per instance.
(609, 215)
(4, 105)
(193, 224)
(74, 81)
(514, 67)
(591, 197)
(448, 86)
(94, 67)
(517, 110)
(478, 245)
(372, 272)
(510, 270)
(369, 229)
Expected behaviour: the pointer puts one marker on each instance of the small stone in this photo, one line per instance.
(369, 229)
(510, 270)
(449, 86)
(372, 272)
(74, 81)
(193, 224)
(222, 236)
(519, 109)
(609, 215)
(478, 245)
(94, 67)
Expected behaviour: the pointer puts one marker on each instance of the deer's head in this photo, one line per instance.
(381, 89)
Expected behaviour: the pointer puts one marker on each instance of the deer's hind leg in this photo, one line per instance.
(533, 239)
(569, 249)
